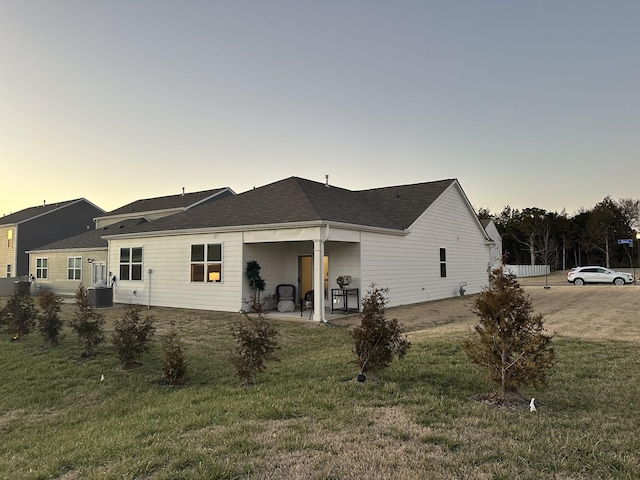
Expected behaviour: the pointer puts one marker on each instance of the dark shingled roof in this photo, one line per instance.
(33, 212)
(93, 238)
(165, 203)
(296, 199)
(405, 203)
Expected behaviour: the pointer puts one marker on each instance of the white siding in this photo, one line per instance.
(344, 259)
(169, 282)
(410, 266)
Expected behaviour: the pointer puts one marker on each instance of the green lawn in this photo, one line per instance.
(307, 417)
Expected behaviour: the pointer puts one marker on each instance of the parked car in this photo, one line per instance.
(582, 275)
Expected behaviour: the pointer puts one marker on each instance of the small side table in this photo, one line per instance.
(342, 296)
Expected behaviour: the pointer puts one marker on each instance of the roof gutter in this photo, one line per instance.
(58, 250)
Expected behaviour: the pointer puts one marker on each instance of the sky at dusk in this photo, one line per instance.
(527, 104)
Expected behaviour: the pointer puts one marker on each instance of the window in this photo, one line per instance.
(8, 270)
(42, 268)
(10, 239)
(131, 263)
(443, 262)
(206, 263)
(74, 268)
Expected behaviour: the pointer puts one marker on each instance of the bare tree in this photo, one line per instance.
(546, 245)
(631, 211)
(531, 223)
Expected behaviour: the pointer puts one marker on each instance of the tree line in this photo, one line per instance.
(534, 236)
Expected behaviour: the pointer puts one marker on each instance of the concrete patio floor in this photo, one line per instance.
(331, 317)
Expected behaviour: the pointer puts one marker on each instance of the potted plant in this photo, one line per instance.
(256, 283)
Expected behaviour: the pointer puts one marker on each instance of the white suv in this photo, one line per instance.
(582, 275)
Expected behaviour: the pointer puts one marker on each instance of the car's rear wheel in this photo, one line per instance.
(618, 281)
(578, 281)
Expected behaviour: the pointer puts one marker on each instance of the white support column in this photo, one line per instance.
(318, 281)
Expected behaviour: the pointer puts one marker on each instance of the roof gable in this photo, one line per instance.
(169, 202)
(34, 212)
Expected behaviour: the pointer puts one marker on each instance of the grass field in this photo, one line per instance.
(307, 417)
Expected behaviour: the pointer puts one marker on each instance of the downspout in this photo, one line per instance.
(149, 290)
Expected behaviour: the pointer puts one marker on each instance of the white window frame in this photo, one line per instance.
(8, 270)
(76, 268)
(42, 268)
(130, 265)
(204, 269)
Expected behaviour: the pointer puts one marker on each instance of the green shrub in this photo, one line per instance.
(19, 315)
(132, 334)
(256, 343)
(49, 320)
(174, 365)
(377, 340)
(87, 322)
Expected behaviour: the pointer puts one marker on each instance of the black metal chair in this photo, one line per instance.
(306, 303)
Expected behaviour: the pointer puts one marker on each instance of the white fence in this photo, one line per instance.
(528, 270)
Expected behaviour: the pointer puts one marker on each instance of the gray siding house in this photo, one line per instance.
(32, 227)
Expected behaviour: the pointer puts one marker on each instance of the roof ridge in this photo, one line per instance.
(184, 194)
(311, 204)
(433, 182)
(35, 210)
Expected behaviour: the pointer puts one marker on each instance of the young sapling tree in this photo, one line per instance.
(378, 341)
(87, 322)
(49, 320)
(256, 343)
(509, 341)
(19, 314)
(174, 365)
(132, 334)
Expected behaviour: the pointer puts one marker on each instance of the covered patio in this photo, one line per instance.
(309, 259)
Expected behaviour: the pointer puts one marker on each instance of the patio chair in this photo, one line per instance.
(285, 298)
(306, 303)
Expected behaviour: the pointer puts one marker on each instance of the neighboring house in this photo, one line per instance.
(36, 226)
(422, 241)
(63, 265)
(154, 208)
(495, 256)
